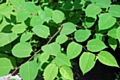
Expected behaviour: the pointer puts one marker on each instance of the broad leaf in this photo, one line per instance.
(22, 15)
(30, 7)
(52, 48)
(36, 20)
(26, 36)
(73, 50)
(43, 57)
(112, 43)
(82, 35)
(99, 36)
(103, 3)
(92, 10)
(61, 60)
(19, 28)
(5, 66)
(112, 33)
(68, 28)
(58, 16)
(107, 59)
(50, 72)
(66, 72)
(41, 31)
(29, 70)
(106, 21)
(18, 3)
(86, 62)
(118, 33)
(61, 39)
(89, 22)
(3, 24)
(22, 49)
(95, 45)
(115, 10)
(6, 38)
(5, 10)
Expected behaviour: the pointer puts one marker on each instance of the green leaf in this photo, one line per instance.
(26, 36)
(41, 30)
(82, 35)
(61, 39)
(36, 20)
(89, 21)
(3, 24)
(22, 15)
(50, 72)
(6, 38)
(87, 62)
(19, 28)
(106, 21)
(17, 3)
(68, 28)
(95, 45)
(52, 48)
(107, 58)
(5, 66)
(103, 3)
(29, 70)
(118, 33)
(99, 36)
(61, 59)
(47, 14)
(5, 10)
(73, 52)
(30, 7)
(115, 10)
(92, 10)
(112, 33)
(58, 16)
(112, 43)
(22, 49)
(66, 72)
(43, 57)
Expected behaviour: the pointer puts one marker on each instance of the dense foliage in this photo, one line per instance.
(45, 36)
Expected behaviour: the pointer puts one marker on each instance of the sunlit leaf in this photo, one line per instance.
(26, 36)
(52, 49)
(86, 62)
(106, 21)
(95, 45)
(118, 33)
(107, 58)
(29, 70)
(92, 10)
(58, 16)
(41, 31)
(68, 28)
(61, 59)
(5, 66)
(115, 10)
(61, 39)
(73, 52)
(66, 72)
(6, 38)
(82, 35)
(22, 49)
(19, 28)
(112, 33)
(50, 72)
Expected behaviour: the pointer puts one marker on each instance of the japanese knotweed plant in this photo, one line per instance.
(44, 36)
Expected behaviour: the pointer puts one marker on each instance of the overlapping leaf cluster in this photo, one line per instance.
(46, 35)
